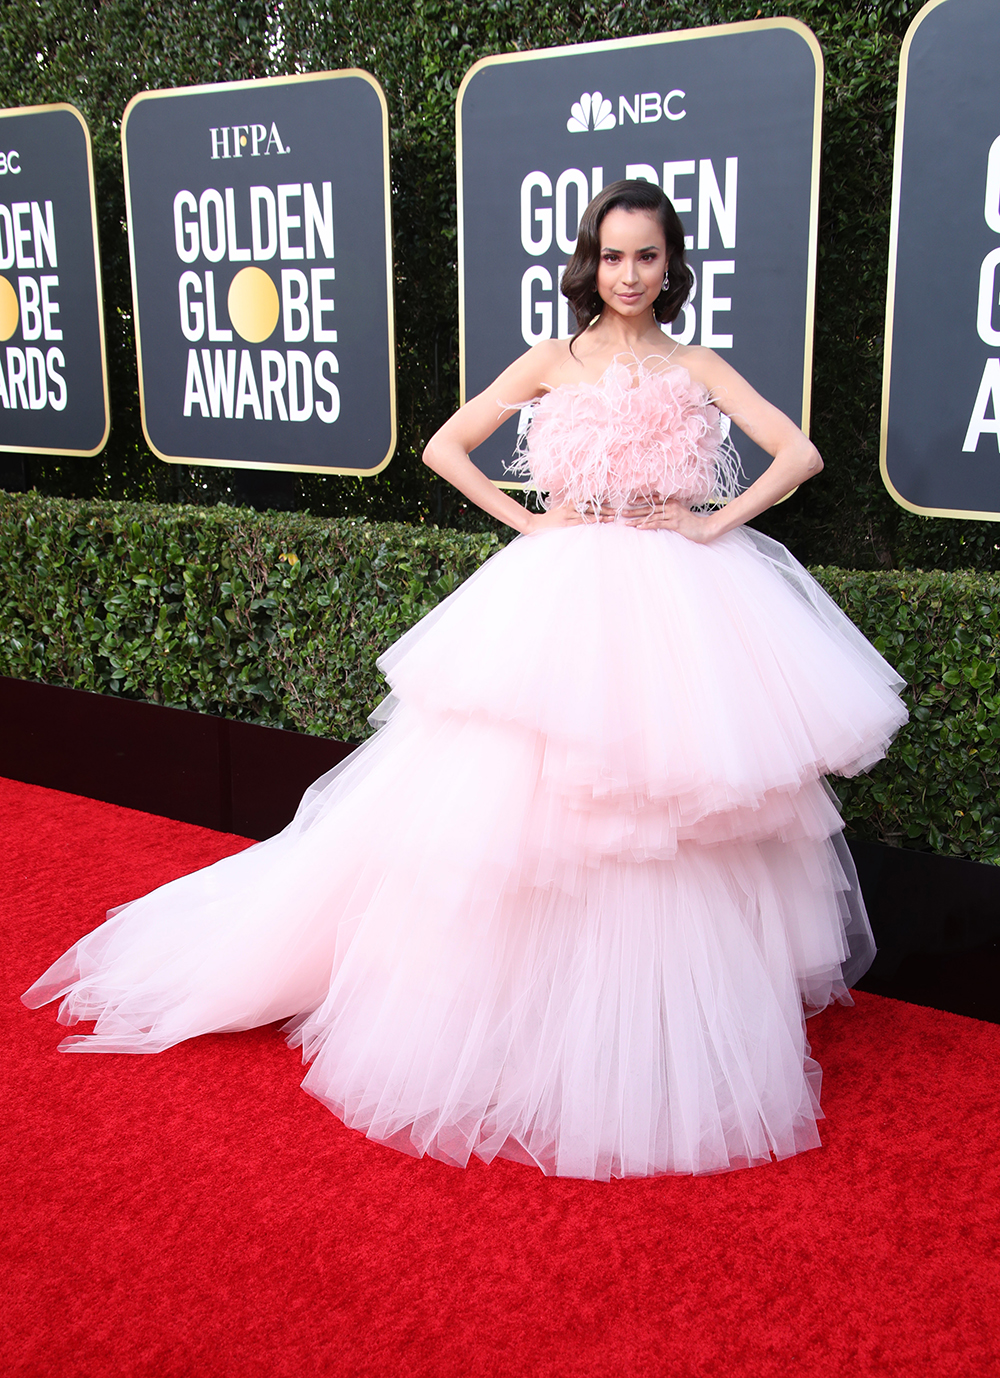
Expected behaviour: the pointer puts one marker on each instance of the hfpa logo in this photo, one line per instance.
(590, 112)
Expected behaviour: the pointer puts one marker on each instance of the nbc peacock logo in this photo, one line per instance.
(591, 111)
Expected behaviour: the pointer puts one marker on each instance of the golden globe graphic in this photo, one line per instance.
(9, 314)
(261, 272)
(253, 305)
(53, 378)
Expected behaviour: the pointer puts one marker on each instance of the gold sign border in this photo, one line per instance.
(647, 40)
(890, 291)
(39, 449)
(181, 91)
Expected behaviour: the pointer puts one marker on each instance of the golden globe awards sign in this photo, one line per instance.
(259, 227)
(726, 120)
(941, 379)
(53, 377)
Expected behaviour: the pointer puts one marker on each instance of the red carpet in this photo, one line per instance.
(196, 1214)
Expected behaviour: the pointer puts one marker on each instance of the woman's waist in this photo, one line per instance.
(626, 500)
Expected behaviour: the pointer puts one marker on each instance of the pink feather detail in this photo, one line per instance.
(626, 437)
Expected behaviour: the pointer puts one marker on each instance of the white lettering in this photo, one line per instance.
(979, 424)
(541, 309)
(263, 196)
(531, 216)
(37, 391)
(325, 360)
(274, 138)
(194, 387)
(6, 239)
(257, 132)
(246, 389)
(673, 114)
(294, 312)
(317, 222)
(192, 312)
(210, 208)
(711, 201)
(44, 233)
(287, 222)
(299, 409)
(651, 107)
(641, 172)
(563, 331)
(988, 298)
(214, 333)
(53, 361)
(31, 315)
(682, 204)
(710, 304)
(272, 383)
(571, 177)
(991, 210)
(671, 171)
(185, 231)
(22, 235)
(220, 380)
(220, 140)
(50, 308)
(236, 254)
(321, 305)
(17, 371)
(631, 110)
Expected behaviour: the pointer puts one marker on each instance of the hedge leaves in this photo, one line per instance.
(278, 619)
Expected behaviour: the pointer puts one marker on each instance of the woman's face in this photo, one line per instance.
(633, 261)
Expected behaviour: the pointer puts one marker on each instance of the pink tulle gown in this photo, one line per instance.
(570, 904)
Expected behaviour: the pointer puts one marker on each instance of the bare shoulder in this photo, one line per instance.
(560, 363)
(531, 373)
(729, 390)
(552, 356)
(704, 365)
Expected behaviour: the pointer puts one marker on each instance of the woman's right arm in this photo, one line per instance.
(447, 452)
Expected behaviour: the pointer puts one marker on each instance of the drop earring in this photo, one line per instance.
(666, 281)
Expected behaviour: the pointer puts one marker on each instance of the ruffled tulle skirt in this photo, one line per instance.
(570, 903)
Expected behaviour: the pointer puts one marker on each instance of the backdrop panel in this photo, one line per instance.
(726, 120)
(940, 452)
(261, 272)
(53, 374)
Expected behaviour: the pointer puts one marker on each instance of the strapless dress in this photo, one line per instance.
(572, 901)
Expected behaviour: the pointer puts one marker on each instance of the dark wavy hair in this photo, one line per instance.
(579, 284)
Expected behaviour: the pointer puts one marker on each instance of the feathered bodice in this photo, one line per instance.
(628, 436)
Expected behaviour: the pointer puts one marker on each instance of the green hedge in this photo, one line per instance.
(270, 618)
(278, 619)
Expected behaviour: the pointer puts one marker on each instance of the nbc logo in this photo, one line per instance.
(590, 112)
(595, 111)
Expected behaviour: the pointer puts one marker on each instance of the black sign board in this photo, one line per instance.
(53, 375)
(725, 119)
(941, 378)
(261, 272)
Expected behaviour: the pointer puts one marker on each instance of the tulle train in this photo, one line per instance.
(570, 901)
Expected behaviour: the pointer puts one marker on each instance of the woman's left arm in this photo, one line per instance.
(795, 457)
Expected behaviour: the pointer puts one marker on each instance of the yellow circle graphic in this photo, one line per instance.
(8, 309)
(253, 304)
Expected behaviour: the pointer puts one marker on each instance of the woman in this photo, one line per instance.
(570, 903)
